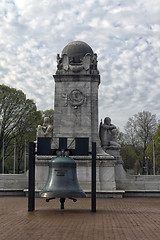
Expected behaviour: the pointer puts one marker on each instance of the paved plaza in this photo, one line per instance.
(127, 218)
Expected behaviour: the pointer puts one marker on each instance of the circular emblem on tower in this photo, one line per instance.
(76, 98)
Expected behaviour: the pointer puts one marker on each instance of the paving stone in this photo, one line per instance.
(127, 218)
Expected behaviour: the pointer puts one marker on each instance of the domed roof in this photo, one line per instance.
(77, 49)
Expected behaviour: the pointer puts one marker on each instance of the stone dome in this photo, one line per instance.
(77, 50)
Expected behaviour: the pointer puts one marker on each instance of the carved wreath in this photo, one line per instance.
(76, 98)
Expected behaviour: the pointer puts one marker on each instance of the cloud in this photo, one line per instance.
(124, 34)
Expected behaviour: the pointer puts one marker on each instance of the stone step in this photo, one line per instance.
(12, 192)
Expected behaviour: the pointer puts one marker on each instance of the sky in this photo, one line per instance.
(125, 34)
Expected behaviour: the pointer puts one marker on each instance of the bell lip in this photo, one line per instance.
(58, 194)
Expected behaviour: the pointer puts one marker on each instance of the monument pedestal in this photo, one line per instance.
(116, 153)
(105, 172)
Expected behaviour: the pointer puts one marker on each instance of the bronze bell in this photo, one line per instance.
(62, 180)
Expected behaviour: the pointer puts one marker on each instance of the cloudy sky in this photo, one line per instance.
(125, 34)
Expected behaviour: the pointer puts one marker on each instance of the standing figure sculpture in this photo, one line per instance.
(108, 135)
(46, 130)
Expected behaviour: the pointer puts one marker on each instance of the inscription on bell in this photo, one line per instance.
(60, 172)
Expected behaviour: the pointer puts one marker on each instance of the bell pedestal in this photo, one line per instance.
(105, 172)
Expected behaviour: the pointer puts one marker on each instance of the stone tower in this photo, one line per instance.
(76, 93)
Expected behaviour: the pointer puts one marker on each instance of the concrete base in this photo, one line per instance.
(108, 194)
(13, 181)
(12, 192)
(112, 180)
(99, 194)
(141, 183)
(142, 193)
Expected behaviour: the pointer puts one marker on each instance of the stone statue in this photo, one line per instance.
(108, 135)
(59, 62)
(94, 61)
(46, 130)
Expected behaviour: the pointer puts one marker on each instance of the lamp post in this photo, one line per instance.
(14, 163)
(3, 157)
(25, 156)
(154, 168)
(2, 146)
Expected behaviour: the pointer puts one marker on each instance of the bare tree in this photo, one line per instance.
(140, 129)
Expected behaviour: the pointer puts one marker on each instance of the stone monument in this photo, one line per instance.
(76, 93)
(76, 116)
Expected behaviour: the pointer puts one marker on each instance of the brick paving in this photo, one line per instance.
(127, 218)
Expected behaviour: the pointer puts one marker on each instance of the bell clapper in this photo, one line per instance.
(62, 200)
